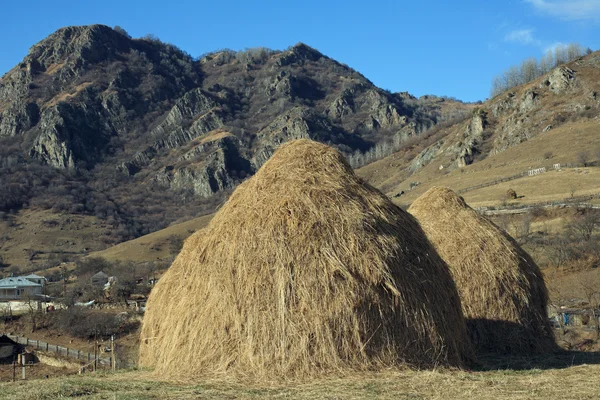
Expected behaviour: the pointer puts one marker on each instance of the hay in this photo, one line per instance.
(305, 270)
(502, 290)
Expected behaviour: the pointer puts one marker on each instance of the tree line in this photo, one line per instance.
(531, 68)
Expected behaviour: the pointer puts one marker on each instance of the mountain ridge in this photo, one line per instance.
(139, 134)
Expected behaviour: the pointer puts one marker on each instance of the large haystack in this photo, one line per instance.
(502, 290)
(305, 270)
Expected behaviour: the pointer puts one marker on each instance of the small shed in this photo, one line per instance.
(8, 349)
(100, 279)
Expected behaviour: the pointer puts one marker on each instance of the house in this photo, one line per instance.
(19, 288)
(100, 279)
(8, 349)
(36, 279)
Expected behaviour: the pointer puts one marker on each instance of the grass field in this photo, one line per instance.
(564, 381)
(153, 246)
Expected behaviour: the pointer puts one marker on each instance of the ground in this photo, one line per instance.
(561, 382)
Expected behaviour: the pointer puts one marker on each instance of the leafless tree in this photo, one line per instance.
(590, 285)
(583, 157)
(560, 251)
(558, 299)
(529, 69)
(546, 62)
(583, 226)
(573, 190)
(574, 51)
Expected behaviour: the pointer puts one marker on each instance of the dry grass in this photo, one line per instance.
(575, 382)
(48, 234)
(551, 186)
(502, 290)
(153, 246)
(66, 96)
(305, 270)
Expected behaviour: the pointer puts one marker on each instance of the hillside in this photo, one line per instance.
(550, 120)
(137, 134)
(134, 135)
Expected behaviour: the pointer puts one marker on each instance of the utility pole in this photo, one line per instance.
(112, 352)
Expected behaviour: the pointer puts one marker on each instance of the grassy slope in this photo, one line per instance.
(49, 235)
(576, 382)
(154, 246)
(565, 142)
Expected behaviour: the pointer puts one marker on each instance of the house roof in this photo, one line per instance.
(33, 276)
(17, 282)
(100, 274)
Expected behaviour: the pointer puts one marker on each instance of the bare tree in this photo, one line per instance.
(34, 312)
(572, 190)
(574, 51)
(584, 225)
(546, 62)
(590, 285)
(560, 251)
(583, 157)
(529, 69)
(514, 77)
(558, 299)
(498, 86)
(560, 55)
(521, 227)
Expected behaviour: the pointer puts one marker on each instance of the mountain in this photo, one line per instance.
(136, 134)
(550, 120)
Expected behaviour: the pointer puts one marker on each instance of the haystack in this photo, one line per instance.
(502, 290)
(304, 270)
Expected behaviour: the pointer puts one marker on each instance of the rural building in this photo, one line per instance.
(576, 317)
(36, 279)
(8, 349)
(19, 288)
(100, 279)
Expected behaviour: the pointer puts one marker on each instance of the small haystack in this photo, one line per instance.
(305, 270)
(502, 290)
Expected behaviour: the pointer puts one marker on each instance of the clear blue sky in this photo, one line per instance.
(423, 47)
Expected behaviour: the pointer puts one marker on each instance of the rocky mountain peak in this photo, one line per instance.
(299, 54)
(77, 45)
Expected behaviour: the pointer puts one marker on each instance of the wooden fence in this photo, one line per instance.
(492, 183)
(60, 350)
(531, 172)
(576, 201)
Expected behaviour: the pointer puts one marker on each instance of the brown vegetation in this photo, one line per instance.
(502, 290)
(305, 270)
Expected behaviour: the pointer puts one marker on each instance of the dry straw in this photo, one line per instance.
(305, 270)
(502, 290)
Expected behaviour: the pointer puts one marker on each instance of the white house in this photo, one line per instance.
(36, 279)
(19, 288)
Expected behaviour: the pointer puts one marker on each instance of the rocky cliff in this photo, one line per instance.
(93, 104)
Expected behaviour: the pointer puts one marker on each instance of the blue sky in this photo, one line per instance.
(423, 47)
